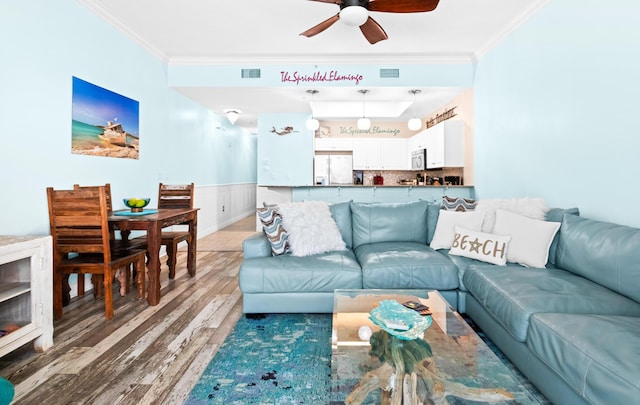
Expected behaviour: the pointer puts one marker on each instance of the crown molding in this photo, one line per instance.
(111, 19)
(510, 28)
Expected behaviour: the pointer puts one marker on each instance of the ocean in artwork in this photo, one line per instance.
(88, 139)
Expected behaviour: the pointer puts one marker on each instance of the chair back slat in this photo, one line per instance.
(107, 191)
(175, 195)
(78, 221)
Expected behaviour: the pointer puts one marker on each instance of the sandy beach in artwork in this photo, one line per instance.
(130, 151)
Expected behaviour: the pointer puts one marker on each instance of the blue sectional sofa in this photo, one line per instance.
(573, 327)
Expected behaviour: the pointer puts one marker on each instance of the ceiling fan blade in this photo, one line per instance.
(403, 6)
(373, 31)
(316, 29)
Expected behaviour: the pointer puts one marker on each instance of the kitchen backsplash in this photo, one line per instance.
(396, 177)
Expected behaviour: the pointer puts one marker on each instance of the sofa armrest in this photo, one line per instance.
(256, 246)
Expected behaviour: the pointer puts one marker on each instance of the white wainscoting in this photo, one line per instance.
(222, 205)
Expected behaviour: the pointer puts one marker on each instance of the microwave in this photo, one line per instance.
(419, 159)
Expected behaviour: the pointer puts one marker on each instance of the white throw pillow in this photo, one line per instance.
(486, 247)
(530, 238)
(529, 207)
(311, 228)
(447, 221)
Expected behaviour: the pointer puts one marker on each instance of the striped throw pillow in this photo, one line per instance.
(458, 204)
(274, 230)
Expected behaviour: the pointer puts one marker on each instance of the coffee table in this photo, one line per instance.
(450, 364)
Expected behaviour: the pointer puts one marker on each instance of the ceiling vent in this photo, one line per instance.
(389, 73)
(250, 73)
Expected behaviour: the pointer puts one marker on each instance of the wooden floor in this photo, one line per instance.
(145, 355)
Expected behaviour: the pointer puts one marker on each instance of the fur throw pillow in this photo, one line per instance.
(311, 228)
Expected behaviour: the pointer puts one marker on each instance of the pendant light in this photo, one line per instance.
(312, 123)
(364, 123)
(414, 123)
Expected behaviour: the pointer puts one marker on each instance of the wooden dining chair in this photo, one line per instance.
(116, 245)
(174, 196)
(81, 243)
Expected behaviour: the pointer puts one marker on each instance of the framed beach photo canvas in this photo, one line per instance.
(103, 123)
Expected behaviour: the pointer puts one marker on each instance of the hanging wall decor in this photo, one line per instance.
(103, 123)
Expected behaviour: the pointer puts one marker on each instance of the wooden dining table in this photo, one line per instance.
(152, 223)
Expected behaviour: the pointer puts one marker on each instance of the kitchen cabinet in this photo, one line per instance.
(417, 142)
(333, 144)
(394, 154)
(366, 154)
(26, 292)
(444, 143)
(380, 154)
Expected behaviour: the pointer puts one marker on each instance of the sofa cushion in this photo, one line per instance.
(389, 222)
(341, 213)
(274, 230)
(286, 273)
(598, 356)
(447, 221)
(606, 253)
(409, 265)
(311, 228)
(530, 238)
(486, 247)
(556, 215)
(433, 213)
(458, 203)
(512, 294)
(463, 263)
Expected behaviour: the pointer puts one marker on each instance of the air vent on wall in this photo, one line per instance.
(250, 73)
(389, 73)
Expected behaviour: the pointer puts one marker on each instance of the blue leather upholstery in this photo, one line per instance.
(598, 356)
(606, 253)
(513, 294)
(405, 265)
(573, 330)
(341, 213)
(389, 222)
(285, 273)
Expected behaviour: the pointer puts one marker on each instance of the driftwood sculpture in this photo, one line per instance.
(408, 375)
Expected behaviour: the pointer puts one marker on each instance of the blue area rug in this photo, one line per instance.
(283, 359)
(279, 359)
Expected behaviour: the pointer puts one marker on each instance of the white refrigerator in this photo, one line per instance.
(333, 170)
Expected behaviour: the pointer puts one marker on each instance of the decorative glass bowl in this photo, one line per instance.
(136, 204)
(393, 310)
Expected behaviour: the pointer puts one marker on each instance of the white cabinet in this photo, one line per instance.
(26, 292)
(366, 154)
(394, 154)
(417, 142)
(380, 154)
(333, 144)
(444, 143)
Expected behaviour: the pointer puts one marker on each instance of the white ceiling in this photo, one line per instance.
(267, 32)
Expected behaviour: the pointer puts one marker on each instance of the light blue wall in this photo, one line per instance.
(555, 110)
(285, 159)
(43, 44)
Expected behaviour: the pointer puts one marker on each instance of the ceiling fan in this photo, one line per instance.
(356, 13)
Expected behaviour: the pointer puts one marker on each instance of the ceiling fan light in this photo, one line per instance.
(313, 124)
(364, 124)
(414, 124)
(354, 16)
